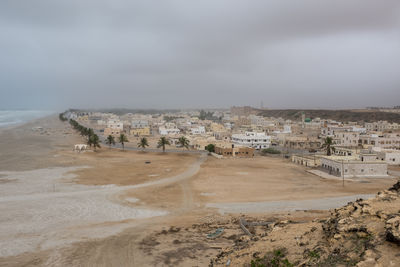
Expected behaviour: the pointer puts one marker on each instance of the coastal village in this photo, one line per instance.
(215, 187)
(330, 148)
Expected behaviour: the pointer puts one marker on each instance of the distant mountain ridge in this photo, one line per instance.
(356, 115)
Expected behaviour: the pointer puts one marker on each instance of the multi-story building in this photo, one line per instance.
(330, 130)
(252, 139)
(112, 131)
(139, 124)
(386, 141)
(145, 131)
(346, 138)
(381, 126)
(198, 130)
(115, 124)
(168, 131)
(302, 142)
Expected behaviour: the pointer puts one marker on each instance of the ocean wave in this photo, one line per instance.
(13, 117)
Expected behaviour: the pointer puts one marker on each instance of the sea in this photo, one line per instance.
(15, 117)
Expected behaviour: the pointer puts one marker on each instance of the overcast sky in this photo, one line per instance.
(208, 53)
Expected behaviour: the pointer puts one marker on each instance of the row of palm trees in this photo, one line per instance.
(93, 139)
(143, 142)
(122, 139)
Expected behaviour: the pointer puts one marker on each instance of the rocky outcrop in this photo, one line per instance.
(362, 233)
(393, 229)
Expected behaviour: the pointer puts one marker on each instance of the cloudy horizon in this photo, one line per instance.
(199, 54)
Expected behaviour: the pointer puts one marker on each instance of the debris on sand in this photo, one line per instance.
(216, 233)
(393, 229)
(395, 187)
(362, 233)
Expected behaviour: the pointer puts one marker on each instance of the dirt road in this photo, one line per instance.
(39, 208)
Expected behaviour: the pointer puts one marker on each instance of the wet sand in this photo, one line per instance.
(108, 208)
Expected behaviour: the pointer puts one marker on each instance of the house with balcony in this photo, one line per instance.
(252, 139)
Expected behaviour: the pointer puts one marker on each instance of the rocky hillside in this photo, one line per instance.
(339, 115)
(362, 233)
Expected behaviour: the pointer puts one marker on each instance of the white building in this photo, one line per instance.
(363, 165)
(115, 124)
(168, 131)
(385, 141)
(391, 157)
(198, 130)
(381, 126)
(346, 138)
(287, 128)
(139, 123)
(252, 139)
(330, 130)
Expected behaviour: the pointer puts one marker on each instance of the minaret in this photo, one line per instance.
(303, 119)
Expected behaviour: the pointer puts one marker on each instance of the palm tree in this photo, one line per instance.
(89, 132)
(143, 143)
(163, 142)
(123, 139)
(94, 141)
(328, 146)
(184, 142)
(110, 140)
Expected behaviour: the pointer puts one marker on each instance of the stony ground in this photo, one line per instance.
(362, 233)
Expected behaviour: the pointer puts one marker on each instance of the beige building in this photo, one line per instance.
(307, 160)
(216, 127)
(344, 151)
(112, 131)
(381, 126)
(145, 131)
(391, 157)
(234, 151)
(363, 165)
(346, 138)
(386, 141)
(300, 142)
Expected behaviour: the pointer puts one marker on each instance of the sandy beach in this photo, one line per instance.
(110, 208)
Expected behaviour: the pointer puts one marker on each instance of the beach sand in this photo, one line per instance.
(109, 208)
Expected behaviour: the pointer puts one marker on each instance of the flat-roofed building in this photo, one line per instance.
(391, 157)
(344, 151)
(346, 138)
(145, 131)
(168, 131)
(115, 124)
(112, 131)
(386, 141)
(363, 165)
(307, 160)
(198, 130)
(139, 124)
(381, 126)
(302, 142)
(234, 151)
(252, 139)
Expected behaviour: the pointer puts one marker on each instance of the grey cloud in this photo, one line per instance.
(308, 53)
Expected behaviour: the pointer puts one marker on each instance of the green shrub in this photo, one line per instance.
(210, 148)
(276, 258)
(270, 151)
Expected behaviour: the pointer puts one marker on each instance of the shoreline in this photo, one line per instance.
(47, 206)
(19, 124)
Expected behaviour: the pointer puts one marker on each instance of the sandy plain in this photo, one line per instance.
(110, 208)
